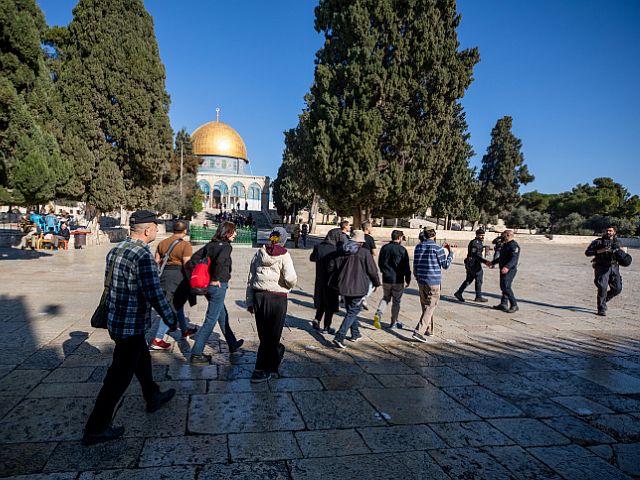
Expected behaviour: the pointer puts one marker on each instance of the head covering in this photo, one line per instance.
(142, 216)
(333, 236)
(357, 236)
(278, 236)
(480, 231)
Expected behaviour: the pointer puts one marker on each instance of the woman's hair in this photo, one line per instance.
(225, 230)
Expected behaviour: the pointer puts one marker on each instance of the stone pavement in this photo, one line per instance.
(550, 392)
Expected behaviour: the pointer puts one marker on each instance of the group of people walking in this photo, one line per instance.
(136, 281)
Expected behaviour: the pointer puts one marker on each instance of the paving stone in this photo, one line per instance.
(512, 386)
(520, 463)
(350, 382)
(407, 465)
(578, 431)
(47, 357)
(624, 428)
(243, 412)
(7, 404)
(294, 384)
(399, 381)
(187, 450)
(401, 438)
(417, 405)
(157, 473)
(241, 385)
(24, 458)
(335, 409)
(540, 407)
(21, 382)
(387, 367)
(565, 383)
(46, 420)
(65, 390)
(528, 432)
(573, 461)
(613, 380)
(482, 402)
(331, 443)
(625, 456)
(69, 375)
(169, 421)
(470, 463)
(444, 376)
(75, 456)
(45, 476)
(470, 434)
(619, 403)
(246, 471)
(234, 372)
(185, 371)
(300, 369)
(87, 361)
(263, 446)
(342, 369)
(581, 405)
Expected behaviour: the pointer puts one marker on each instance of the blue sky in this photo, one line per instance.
(566, 71)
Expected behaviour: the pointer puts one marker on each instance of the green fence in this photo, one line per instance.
(246, 236)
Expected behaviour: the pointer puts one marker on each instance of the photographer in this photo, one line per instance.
(605, 267)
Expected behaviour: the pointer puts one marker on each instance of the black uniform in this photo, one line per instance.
(606, 270)
(509, 255)
(473, 265)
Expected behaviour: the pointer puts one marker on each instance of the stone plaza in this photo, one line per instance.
(549, 392)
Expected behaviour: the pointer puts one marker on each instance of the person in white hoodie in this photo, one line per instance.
(271, 276)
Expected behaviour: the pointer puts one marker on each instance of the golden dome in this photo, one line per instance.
(217, 138)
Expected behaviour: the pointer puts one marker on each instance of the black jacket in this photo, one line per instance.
(219, 254)
(474, 253)
(607, 258)
(509, 255)
(394, 263)
(352, 271)
(322, 254)
(66, 234)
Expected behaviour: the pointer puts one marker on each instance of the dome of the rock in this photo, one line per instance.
(218, 139)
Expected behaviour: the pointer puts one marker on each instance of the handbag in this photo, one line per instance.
(99, 317)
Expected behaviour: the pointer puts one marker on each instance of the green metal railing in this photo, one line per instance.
(246, 236)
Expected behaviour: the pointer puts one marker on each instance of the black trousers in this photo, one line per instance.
(130, 357)
(327, 309)
(609, 284)
(270, 311)
(474, 274)
(506, 280)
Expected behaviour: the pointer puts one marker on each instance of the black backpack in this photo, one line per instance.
(622, 257)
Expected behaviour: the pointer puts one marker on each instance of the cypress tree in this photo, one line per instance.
(113, 102)
(503, 170)
(383, 100)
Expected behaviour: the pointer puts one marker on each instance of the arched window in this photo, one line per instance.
(204, 186)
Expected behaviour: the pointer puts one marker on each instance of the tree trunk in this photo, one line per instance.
(357, 218)
(313, 213)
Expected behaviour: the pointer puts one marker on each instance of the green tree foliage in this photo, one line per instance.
(292, 188)
(572, 224)
(522, 217)
(503, 170)
(31, 167)
(383, 102)
(111, 100)
(108, 190)
(191, 162)
(456, 194)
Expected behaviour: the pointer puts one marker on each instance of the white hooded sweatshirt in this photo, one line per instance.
(271, 270)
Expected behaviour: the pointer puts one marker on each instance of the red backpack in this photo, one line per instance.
(200, 277)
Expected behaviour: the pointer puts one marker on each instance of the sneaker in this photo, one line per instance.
(365, 306)
(418, 337)
(315, 324)
(339, 343)
(236, 346)
(160, 399)
(189, 332)
(500, 307)
(330, 331)
(399, 326)
(459, 296)
(159, 345)
(376, 321)
(200, 359)
(259, 377)
(601, 313)
(355, 339)
(110, 433)
(480, 299)
(513, 309)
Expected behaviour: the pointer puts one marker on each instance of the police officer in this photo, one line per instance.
(473, 265)
(508, 263)
(605, 267)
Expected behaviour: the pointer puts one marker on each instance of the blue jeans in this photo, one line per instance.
(215, 314)
(353, 306)
(182, 324)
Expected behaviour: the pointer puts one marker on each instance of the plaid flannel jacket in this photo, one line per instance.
(428, 260)
(135, 288)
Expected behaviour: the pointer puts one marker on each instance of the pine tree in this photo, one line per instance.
(112, 100)
(386, 84)
(503, 170)
(27, 146)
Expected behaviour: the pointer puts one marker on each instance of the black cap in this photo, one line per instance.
(480, 231)
(142, 216)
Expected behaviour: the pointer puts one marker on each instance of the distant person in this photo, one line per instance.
(429, 259)
(345, 229)
(351, 272)
(325, 298)
(271, 276)
(508, 263)
(30, 237)
(473, 267)
(63, 234)
(606, 270)
(134, 289)
(297, 231)
(396, 276)
(304, 233)
(369, 244)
